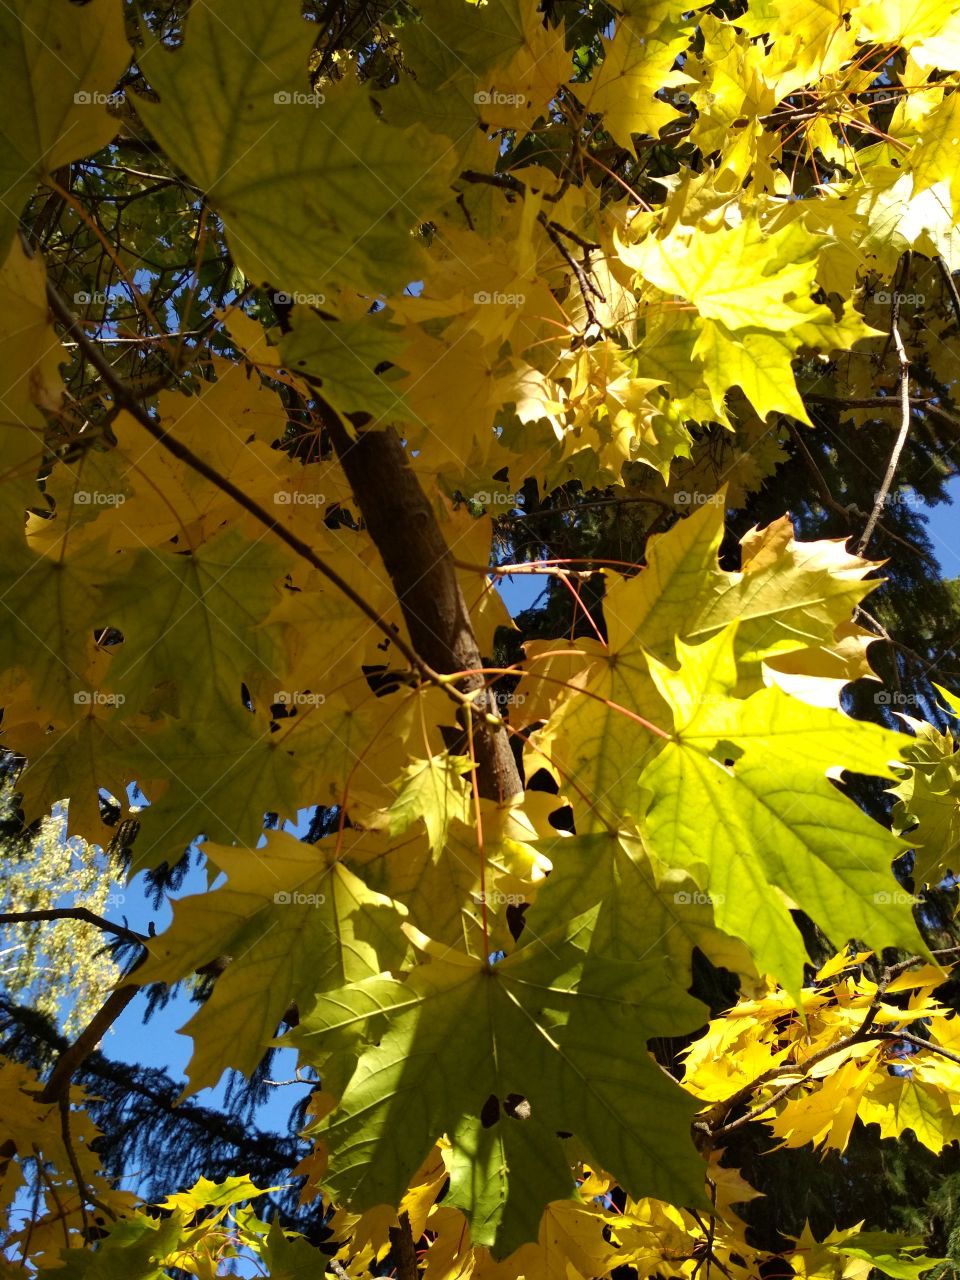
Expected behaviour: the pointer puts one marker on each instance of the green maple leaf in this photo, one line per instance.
(343, 356)
(132, 1251)
(461, 1036)
(50, 606)
(294, 922)
(642, 910)
(59, 64)
(310, 191)
(192, 619)
(434, 790)
(927, 812)
(742, 800)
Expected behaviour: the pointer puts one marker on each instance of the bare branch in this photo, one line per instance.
(73, 913)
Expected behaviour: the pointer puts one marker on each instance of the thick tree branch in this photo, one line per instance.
(405, 530)
(59, 1082)
(404, 1249)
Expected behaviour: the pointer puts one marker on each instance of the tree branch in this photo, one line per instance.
(400, 520)
(904, 389)
(72, 913)
(125, 399)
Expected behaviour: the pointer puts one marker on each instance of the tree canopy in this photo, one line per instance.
(319, 323)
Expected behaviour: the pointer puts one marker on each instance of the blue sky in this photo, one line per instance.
(944, 530)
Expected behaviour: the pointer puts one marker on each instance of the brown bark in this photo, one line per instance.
(405, 530)
(404, 1249)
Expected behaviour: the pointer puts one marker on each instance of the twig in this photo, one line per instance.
(901, 440)
(920, 1043)
(863, 1033)
(587, 287)
(83, 1190)
(505, 181)
(951, 284)
(924, 403)
(73, 913)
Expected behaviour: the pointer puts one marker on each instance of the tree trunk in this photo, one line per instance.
(402, 524)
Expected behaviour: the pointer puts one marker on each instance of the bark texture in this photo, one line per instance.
(402, 524)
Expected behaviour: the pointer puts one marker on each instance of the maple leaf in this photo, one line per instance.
(788, 599)
(637, 63)
(293, 922)
(435, 791)
(743, 277)
(60, 67)
(761, 764)
(312, 187)
(206, 601)
(461, 1032)
(29, 351)
(928, 799)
